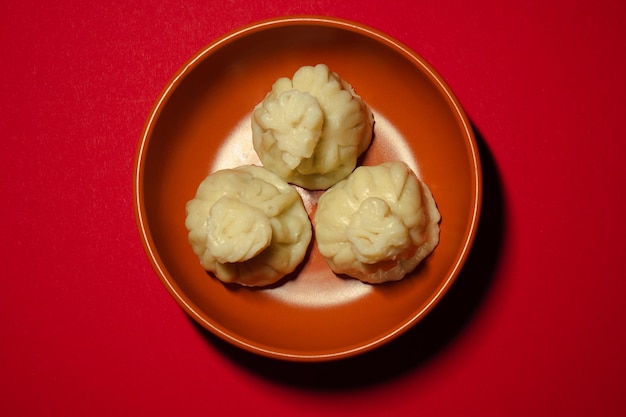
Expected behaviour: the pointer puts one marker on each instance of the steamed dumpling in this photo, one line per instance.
(248, 226)
(310, 130)
(378, 224)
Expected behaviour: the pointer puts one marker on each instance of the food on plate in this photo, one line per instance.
(311, 129)
(378, 224)
(248, 226)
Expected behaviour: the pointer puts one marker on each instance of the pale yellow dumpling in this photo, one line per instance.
(248, 226)
(311, 129)
(378, 224)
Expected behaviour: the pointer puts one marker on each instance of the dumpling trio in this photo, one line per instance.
(248, 226)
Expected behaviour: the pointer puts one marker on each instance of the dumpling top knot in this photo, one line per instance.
(311, 129)
(294, 115)
(375, 233)
(237, 231)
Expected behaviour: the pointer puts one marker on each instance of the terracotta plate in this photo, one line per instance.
(201, 123)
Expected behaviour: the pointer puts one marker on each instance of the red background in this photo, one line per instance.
(533, 326)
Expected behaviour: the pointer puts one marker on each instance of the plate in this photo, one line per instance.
(200, 123)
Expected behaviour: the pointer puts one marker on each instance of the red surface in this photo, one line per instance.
(534, 325)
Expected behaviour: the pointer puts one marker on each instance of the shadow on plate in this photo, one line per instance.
(424, 341)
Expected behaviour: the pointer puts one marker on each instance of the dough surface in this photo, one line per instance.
(311, 129)
(248, 226)
(378, 224)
